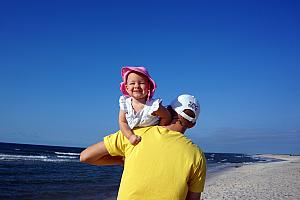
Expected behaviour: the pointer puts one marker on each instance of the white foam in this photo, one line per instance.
(11, 157)
(20, 157)
(66, 157)
(58, 160)
(64, 153)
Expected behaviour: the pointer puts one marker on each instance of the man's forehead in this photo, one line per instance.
(186, 111)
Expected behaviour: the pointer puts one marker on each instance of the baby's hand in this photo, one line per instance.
(134, 139)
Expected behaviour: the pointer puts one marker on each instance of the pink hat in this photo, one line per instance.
(142, 70)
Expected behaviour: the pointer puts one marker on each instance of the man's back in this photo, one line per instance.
(164, 165)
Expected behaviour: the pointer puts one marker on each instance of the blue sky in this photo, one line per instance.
(60, 67)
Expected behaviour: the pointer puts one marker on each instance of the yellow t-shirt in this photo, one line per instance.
(164, 165)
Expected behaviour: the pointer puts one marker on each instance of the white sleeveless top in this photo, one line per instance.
(143, 117)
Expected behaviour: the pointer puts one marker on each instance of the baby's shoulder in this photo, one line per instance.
(124, 98)
(124, 102)
(153, 101)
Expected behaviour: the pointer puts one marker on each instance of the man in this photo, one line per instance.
(164, 165)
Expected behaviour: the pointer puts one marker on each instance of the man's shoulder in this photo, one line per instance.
(193, 147)
(188, 145)
(141, 130)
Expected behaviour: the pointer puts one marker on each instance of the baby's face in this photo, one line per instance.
(137, 86)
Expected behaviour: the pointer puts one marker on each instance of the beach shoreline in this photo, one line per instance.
(269, 180)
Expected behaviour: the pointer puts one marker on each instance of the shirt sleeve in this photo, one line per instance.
(115, 144)
(122, 103)
(198, 174)
(155, 105)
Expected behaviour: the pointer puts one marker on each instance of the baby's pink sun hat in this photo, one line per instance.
(142, 70)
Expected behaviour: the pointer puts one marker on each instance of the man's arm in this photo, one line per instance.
(97, 154)
(193, 196)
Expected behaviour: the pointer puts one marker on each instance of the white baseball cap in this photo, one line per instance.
(186, 101)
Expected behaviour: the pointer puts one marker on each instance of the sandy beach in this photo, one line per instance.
(274, 180)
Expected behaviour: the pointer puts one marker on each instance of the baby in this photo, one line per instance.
(137, 107)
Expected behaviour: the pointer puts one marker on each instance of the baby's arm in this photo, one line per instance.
(164, 114)
(126, 131)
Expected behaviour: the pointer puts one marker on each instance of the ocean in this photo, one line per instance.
(53, 172)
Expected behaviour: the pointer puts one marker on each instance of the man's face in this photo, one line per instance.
(181, 120)
(176, 117)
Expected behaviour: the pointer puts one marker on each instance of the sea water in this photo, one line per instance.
(52, 172)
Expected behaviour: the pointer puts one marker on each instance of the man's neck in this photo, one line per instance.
(176, 126)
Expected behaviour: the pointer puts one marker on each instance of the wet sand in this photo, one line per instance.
(273, 180)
